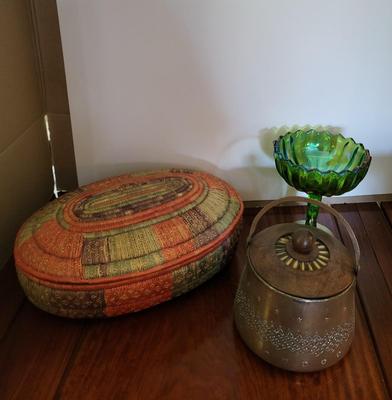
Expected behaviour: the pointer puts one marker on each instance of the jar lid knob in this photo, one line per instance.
(303, 241)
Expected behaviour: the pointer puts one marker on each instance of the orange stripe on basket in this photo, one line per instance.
(55, 240)
(139, 295)
(99, 283)
(172, 232)
(46, 266)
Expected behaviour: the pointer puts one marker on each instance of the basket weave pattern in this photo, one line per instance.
(126, 243)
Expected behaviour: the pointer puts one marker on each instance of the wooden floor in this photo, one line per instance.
(188, 348)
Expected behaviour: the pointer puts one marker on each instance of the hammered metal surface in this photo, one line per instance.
(283, 338)
(294, 333)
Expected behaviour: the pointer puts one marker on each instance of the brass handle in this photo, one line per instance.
(299, 199)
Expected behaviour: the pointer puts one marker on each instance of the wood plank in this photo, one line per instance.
(11, 295)
(297, 213)
(380, 236)
(34, 353)
(373, 290)
(387, 207)
(189, 348)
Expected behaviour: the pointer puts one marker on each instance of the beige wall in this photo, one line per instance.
(207, 83)
(32, 83)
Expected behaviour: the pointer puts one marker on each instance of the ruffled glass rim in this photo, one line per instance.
(364, 164)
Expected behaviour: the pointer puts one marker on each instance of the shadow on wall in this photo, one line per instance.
(253, 172)
(183, 119)
(153, 101)
(244, 179)
(255, 175)
(168, 85)
(258, 167)
(254, 169)
(379, 178)
(253, 178)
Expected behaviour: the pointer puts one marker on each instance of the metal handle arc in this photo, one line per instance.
(299, 199)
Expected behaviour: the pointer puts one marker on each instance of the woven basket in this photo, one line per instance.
(127, 243)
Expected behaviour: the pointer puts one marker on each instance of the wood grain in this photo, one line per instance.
(34, 354)
(373, 291)
(189, 349)
(11, 296)
(387, 208)
(380, 236)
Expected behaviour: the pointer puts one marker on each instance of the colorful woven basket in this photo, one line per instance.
(126, 243)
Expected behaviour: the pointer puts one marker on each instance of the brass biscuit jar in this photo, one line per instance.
(295, 304)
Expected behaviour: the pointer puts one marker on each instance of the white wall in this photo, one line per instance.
(203, 83)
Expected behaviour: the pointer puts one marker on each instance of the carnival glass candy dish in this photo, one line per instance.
(320, 163)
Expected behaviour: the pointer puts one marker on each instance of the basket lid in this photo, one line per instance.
(128, 227)
(301, 261)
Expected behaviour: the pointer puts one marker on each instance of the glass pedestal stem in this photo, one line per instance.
(312, 210)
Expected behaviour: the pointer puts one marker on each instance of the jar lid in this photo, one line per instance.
(302, 261)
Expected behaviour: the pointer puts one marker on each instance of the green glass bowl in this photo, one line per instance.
(320, 163)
